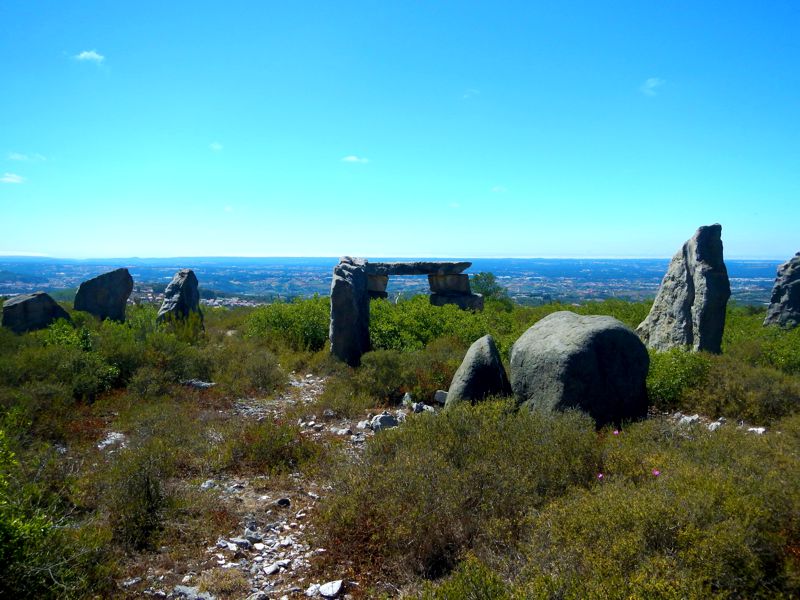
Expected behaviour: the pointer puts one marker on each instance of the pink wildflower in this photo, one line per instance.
(656, 472)
(600, 476)
(616, 432)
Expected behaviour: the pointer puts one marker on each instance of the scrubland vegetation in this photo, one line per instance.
(474, 502)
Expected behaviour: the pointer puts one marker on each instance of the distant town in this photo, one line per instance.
(234, 282)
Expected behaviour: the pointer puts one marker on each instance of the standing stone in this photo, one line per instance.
(349, 327)
(181, 298)
(28, 312)
(689, 310)
(593, 363)
(106, 295)
(784, 306)
(480, 374)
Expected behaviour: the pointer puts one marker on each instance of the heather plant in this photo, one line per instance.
(453, 496)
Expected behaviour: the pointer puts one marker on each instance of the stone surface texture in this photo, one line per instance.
(480, 374)
(592, 363)
(449, 284)
(181, 298)
(689, 309)
(349, 325)
(784, 305)
(376, 286)
(416, 268)
(106, 295)
(28, 312)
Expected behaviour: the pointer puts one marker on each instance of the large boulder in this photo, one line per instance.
(27, 312)
(349, 326)
(784, 306)
(181, 298)
(592, 363)
(480, 374)
(689, 310)
(106, 295)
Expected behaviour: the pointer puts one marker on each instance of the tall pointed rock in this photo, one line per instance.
(689, 310)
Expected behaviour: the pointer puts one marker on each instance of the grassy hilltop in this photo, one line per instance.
(475, 502)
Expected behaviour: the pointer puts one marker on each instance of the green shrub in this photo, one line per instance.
(38, 558)
(440, 485)
(675, 516)
(302, 324)
(137, 496)
(472, 580)
(672, 374)
(267, 447)
(344, 398)
(741, 391)
(242, 367)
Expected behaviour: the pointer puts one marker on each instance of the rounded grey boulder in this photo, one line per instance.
(480, 374)
(592, 363)
(28, 312)
(106, 295)
(181, 298)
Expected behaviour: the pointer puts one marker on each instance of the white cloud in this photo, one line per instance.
(11, 178)
(91, 56)
(650, 85)
(470, 93)
(20, 156)
(215, 146)
(499, 189)
(355, 159)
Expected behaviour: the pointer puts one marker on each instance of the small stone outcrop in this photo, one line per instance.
(28, 312)
(592, 363)
(480, 374)
(689, 309)
(106, 295)
(349, 326)
(784, 305)
(181, 298)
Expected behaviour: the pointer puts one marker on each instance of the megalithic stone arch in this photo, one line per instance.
(356, 280)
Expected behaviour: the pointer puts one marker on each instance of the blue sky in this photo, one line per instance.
(398, 128)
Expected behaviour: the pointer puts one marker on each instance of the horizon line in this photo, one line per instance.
(334, 257)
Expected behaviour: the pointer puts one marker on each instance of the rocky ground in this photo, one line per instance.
(270, 552)
(271, 546)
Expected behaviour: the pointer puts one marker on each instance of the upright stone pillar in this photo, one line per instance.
(181, 298)
(689, 310)
(349, 328)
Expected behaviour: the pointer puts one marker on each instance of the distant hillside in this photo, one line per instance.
(11, 277)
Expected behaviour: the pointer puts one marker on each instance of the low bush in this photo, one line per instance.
(672, 374)
(739, 390)
(265, 447)
(137, 496)
(675, 516)
(302, 324)
(243, 368)
(441, 485)
(42, 555)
